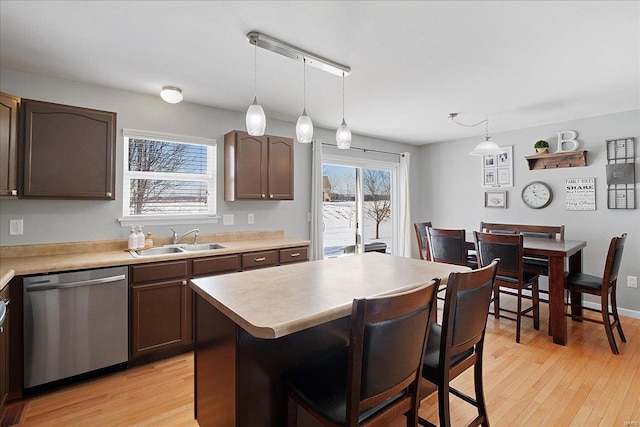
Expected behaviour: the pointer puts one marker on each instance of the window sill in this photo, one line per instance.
(129, 221)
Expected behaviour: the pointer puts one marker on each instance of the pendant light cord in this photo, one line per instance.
(343, 96)
(304, 84)
(255, 71)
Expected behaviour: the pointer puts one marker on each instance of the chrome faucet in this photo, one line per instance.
(177, 239)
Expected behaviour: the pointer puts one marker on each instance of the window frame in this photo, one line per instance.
(169, 219)
(362, 162)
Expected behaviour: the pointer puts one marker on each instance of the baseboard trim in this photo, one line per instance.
(621, 311)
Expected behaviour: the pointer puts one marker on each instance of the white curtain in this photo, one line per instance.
(404, 234)
(316, 202)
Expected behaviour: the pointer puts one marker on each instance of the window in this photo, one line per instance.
(168, 176)
(358, 213)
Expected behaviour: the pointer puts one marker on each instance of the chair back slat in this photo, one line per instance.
(448, 246)
(614, 257)
(387, 343)
(421, 234)
(507, 247)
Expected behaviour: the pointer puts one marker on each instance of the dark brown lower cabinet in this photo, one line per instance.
(161, 310)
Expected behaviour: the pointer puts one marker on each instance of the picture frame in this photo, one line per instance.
(495, 199)
(497, 169)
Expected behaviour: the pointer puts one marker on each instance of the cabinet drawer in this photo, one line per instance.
(159, 271)
(293, 255)
(216, 265)
(259, 259)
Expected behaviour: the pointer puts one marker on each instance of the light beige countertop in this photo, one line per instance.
(275, 302)
(49, 258)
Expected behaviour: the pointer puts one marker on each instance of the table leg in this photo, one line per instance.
(575, 266)
(556, 300)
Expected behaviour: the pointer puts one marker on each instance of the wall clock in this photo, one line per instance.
(537, 195)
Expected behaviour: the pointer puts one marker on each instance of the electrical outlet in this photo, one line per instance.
(250, 219)
(16, 227)
(632, 281)
(227, 219)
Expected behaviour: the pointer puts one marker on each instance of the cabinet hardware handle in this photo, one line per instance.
(271, 196)
(108, 194)
(295, 254)
(264, 196)
(1, 329)
(14, 192)
(184, 283)
(259, 259)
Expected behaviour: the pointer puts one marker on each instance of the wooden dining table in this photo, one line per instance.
(557, 251)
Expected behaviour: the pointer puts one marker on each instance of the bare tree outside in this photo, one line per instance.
(377, 190)
(156, 156)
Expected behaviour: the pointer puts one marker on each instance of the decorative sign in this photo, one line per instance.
(497, 169)
(581, 194)
(563, 140)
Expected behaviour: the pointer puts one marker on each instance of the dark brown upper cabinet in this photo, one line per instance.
(257, 167)
(69, 152)
(9, 107)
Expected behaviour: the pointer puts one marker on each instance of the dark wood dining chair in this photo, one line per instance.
(605, 288)
(458, 344)
(376, 379)
(449, 246)
(511, 275)
(421, 234)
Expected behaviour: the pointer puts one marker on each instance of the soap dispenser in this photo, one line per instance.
(133, 240)
(141, 238)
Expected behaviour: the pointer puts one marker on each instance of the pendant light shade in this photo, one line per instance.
(256, 121)
(486, 147)
(304, 126)
(171, 94)
(343, 134)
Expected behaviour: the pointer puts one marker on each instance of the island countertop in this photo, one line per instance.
(275, 302)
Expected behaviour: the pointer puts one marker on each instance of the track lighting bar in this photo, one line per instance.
(285, 49)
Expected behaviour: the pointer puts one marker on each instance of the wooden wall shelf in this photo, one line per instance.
(567, 159)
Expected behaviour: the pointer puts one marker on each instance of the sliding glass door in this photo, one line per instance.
(358, 207)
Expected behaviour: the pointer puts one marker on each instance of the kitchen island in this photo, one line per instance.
(253, 326)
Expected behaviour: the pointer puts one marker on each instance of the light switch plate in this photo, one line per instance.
(227, 219)
(632, 281)
(16, 227)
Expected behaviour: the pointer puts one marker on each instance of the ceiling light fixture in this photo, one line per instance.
(285, 49)
(485, 147)
(171, 94)
(343, 134)
(256, 121)
(304, 126)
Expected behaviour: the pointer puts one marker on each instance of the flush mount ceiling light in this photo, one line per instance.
(304, 126)
(256, 121)
(171, 94)
(485, 147)
(343, 134)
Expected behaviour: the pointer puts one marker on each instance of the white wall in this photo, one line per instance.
(52, 221)
(453, 196)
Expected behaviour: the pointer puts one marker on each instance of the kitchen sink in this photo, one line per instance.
(202, 247)
(157, 251)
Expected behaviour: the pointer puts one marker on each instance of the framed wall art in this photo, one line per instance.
(497, 169)
(495, 199)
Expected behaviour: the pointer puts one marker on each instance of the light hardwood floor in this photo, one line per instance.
(534, 383)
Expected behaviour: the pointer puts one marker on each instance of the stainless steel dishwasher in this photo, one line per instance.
(74, 323)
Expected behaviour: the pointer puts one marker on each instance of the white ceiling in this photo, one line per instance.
(524, 63)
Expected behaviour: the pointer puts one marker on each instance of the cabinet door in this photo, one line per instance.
(158, 316)
(251, 166)
(9, 106)
(69, 151)
(280, 172)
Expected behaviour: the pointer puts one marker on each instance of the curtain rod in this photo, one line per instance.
(367, 149)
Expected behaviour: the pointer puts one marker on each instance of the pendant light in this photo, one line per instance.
(343, 134)
(304, 126)
(256, 120)
(486, 147)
